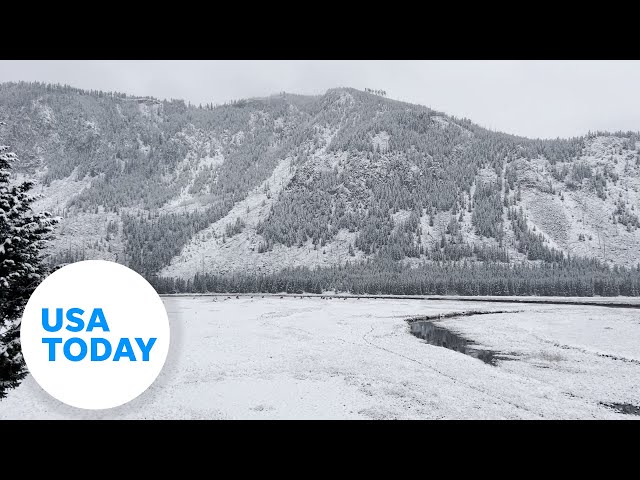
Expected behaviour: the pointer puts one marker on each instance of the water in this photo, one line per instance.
(441, 337)
(625, 408)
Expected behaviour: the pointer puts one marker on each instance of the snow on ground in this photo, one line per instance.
(88, 233)
(45, 112)
(144, 148)
(487, 175)
(346, 99)
(381, 141)
(440, 121)
(204, 156)
(254, 358)
(82, 232)
(547, 213)
(55, 197)
(149, 108)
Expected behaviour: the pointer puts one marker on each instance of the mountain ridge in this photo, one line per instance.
(295, 180)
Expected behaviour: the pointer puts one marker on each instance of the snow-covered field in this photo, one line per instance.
(355, 358)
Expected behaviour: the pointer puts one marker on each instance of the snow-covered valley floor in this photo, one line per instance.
(255, 358)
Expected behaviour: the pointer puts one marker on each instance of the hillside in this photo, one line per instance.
(263, 184)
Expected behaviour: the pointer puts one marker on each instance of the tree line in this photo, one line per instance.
(570, 277)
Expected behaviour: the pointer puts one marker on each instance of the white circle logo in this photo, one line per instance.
(94, 334)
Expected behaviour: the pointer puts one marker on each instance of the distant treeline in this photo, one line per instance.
(571, 277)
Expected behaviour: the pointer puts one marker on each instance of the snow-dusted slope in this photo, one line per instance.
(568, 215)
(337, 176)
(210, 250)
(213, 251)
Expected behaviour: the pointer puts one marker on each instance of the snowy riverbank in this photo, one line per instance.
(286, 357)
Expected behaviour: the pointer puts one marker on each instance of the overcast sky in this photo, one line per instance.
(543, 99)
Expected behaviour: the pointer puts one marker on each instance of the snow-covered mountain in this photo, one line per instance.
(289, 180)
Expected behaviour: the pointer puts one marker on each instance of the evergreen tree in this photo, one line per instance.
(22, 237)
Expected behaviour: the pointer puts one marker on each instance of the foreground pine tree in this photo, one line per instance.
(23, 235)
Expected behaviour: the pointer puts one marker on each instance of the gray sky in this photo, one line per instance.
(543, 99)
